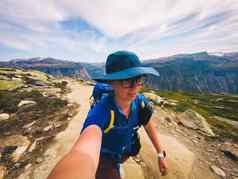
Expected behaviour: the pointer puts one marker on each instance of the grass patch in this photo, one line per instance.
(9, 85)
(10, 100)
(39, 75)
(207, 105)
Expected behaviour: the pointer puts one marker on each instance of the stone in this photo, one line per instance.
(153, 97)
(20, 142)
(70, 114)
(39, 160)
(28, 166)
(29, 125)
(26, 102)
(70, 105)
(17, 165)
(168, 119)
(4, 117)
(58, 124)
(48, 128)
(194, 141)
(189, 124)
(17, 154)
(230, 150)
(195, 121)
(32, 147)
(7, 133)
(3, 171)
(218, 171)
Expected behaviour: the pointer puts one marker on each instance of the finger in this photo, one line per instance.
(164, 171)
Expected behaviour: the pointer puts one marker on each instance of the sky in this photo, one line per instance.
(89, 30)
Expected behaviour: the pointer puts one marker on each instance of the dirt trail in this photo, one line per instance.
(64, 140)
(182, 161)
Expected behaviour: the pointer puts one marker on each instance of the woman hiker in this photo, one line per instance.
(109, 135)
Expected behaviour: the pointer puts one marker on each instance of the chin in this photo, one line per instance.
(132, 97)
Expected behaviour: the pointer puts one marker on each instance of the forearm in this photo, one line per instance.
(153, 135)
(81, 162)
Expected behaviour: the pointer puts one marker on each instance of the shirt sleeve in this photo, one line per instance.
(98, 115)
(145, 111)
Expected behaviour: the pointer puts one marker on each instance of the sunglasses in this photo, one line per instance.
(132, 82)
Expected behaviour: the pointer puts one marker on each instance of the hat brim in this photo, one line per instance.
(128, 73)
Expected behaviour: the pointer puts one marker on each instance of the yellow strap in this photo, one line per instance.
(142, 104)
(111, 124)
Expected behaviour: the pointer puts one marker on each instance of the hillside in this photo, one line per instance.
(198, 72)
(32, 112)
(200, 151)
(51, 66)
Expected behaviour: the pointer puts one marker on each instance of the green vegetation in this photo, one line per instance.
(208, 105)
(10, 100)
(39, 75)
(9, 85)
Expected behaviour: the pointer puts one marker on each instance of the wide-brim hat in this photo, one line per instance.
(124, 65)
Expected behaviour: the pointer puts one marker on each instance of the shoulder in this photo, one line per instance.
(99, 114)
(141, 98)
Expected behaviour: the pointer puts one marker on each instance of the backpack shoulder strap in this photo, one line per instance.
(111, 122)
(145, 112)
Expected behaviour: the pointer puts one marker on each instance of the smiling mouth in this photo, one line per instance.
(132, 94)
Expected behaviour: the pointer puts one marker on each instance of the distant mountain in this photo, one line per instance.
(94, 69)
(51, 66)
(197, 72)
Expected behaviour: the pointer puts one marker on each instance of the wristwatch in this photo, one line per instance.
(161, 155)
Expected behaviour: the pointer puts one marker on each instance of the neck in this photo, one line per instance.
(124, 105)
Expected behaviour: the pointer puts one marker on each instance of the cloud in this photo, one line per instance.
(83, 30)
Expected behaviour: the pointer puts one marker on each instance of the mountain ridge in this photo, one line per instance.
(195, 72)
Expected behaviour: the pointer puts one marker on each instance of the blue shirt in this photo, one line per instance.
(118, 141)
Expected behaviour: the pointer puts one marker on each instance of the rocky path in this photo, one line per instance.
(182, 160)
(64, 140)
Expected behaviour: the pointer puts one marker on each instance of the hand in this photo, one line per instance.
(162, 166)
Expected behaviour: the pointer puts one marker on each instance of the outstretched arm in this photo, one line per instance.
(82, 161)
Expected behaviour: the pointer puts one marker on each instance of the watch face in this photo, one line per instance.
(162, 154)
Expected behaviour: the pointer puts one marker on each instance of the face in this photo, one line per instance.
(127, 89)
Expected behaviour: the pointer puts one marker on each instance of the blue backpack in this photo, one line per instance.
(100, 90)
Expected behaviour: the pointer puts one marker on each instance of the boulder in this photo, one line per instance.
(21, 143)
(230, 150)
(26, 102)
(218, 171)
(153, 97)
(182, 162)
(170, 102)
(4, 117)
(193, 120)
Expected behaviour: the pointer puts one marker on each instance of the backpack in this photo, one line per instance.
(100, 90)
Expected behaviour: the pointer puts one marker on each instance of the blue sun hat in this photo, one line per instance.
(122, 65)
